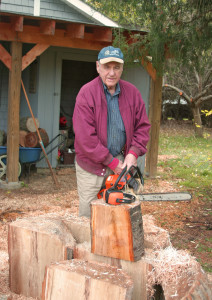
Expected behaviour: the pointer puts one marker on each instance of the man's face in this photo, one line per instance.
(110, 73)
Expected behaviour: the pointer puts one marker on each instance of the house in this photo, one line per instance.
(50, 47)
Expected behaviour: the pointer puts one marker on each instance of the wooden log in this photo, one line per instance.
(138, 270)
(22, 135)
(33, 244)
(117, 230)
(27, 124)
(3, 137)
(32, 139)
(78, 279)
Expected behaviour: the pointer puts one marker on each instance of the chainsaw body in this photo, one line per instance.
(113, 193)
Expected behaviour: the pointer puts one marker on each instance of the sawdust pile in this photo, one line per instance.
(174, 270)
(154, 236)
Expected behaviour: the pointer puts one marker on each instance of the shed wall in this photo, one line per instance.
(51, 9)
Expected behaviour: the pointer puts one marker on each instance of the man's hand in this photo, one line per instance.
(119, 168)
(130, 160)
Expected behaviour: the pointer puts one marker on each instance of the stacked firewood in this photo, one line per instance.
(28, 136)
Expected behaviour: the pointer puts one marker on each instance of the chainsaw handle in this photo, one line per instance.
(132, 172)
(119, 178)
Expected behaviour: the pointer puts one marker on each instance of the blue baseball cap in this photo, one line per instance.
(109, 54)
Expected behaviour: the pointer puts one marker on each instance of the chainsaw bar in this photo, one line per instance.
(175, 196)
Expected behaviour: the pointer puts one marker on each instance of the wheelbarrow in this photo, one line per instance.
(27, 157)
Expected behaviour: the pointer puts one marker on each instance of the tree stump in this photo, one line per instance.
(117, 230)
(35, 243)
(78, 279)
(27, 124)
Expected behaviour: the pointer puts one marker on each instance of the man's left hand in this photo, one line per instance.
(130, 160)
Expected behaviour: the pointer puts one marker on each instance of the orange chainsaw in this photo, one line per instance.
(112, 192)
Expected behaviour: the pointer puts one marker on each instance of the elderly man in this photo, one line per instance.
(110, 123)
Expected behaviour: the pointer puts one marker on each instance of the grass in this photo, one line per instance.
(190, 165)
(193, 162)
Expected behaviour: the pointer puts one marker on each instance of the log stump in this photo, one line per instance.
(3, 137)
(32, 139)
(22, 135)
(35, 243)
(138, 271)
(79, 280)
(27, 124)
(117, 230)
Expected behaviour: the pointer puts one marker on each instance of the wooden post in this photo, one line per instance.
(154, 117)
(13, 112)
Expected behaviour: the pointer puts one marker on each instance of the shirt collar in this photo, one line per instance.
(117, 91)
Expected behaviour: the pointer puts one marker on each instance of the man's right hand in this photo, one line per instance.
(119, 168)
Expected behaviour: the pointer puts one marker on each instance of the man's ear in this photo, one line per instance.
(97, 66)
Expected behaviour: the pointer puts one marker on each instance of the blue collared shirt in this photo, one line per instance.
(116, 135)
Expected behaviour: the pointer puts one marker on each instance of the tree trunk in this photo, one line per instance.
(197, 121)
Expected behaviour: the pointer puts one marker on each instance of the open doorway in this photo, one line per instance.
(74, 75)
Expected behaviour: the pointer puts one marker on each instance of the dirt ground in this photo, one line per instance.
(189, 223)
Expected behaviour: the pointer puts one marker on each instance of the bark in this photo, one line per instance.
(197, 121)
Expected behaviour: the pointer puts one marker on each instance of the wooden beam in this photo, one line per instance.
(103, 34)
(47, 27)
(5, 57)
(32, 35)
(76, 31)
(17, 23)
(149, 68)
(32, 54)
(13, 112)
(154, 117)
(27, 59)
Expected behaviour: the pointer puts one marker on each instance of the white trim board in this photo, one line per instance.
(36, 7)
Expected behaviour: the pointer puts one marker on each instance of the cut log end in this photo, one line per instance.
(27, 124)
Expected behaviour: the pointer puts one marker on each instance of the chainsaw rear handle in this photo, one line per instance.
(119, 178)
(131, 174)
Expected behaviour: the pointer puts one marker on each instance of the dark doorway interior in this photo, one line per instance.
(74, 75)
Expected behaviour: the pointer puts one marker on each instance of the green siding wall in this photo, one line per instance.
(52, 9)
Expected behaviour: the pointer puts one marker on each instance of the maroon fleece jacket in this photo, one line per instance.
(90, 125)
